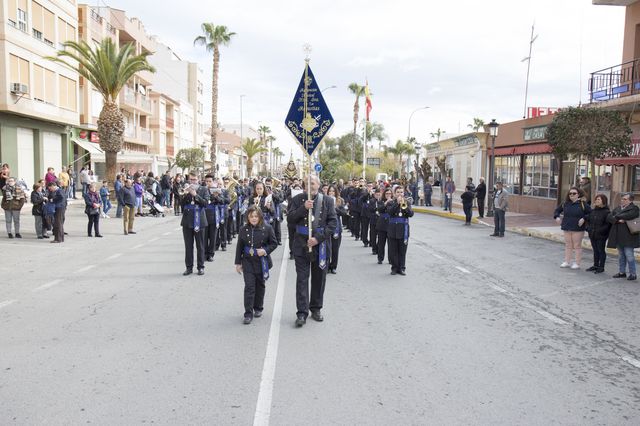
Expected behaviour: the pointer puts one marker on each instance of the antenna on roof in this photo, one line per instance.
(528, 60)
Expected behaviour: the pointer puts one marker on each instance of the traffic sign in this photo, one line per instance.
(318, 167)
(309, 119)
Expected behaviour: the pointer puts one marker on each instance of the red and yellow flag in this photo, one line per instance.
(368, 99)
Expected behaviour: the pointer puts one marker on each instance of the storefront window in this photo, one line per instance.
(635, 179)
(540, 176)
(507, 171)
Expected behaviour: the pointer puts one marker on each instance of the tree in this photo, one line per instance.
(357, 90)
(190, 158)
(477, 124)
(214, 36)
(251, 147)
(108, 68)
(592, 132)
(399, 150)
(277, 155)
(375, 132)
(437, 134)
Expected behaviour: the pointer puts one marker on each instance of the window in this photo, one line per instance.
(49, 26)
(507, 171)
(19, 72)
(67, 93)
(38, 83)
(22, 17)
(37, 23)
(12, 12)
(49, 86)
(66, 32)
(635, 180)
(540, 176)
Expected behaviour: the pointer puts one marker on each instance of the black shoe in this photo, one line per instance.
(89, 235)
(401, 272)
(98, 236)
(366, 244)
(18, 235)
(379, 262)
(394, 272)
(598, 271)
(494, 235)
(316, 315)
(10, 235)
(209, 258)
(290, 257)
(279, 243)
(620, 275)
(132, 232)
(257, 313)
(591, 269)
(223, 248)
(332, 271)
(200, 271)
(45, 236)
(632, 277)
(40, 238)
(247, 319)
(300, 321)
(501, 235)
(187, 272)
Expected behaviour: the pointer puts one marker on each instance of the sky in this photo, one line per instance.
(460, 58)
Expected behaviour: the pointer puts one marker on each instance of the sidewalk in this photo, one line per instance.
(531, 225)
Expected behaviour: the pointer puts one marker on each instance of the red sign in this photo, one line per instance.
(83, 134)
(94, 137)
(533, 112)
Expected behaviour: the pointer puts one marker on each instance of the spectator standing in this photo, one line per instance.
(449, 190)
(37, 200)
(621, 238)
(50, 176)
(92, 210)
(481, 193)
(117, 187)
(139, 190)
(64, 181)
(467, 204)
(129, 202)
(500, 205)
(575, 212)
(73, 175)
(84, 179)
(598, 229)
(13, 198)
(104, 198)
(585, 187)
(58, 204)
(428, 192)
(165, 185)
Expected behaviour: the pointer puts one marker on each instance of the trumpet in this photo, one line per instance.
(403, 204)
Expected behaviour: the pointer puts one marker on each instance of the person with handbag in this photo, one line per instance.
(574, 213)
(256, 241)
(625, 235)
(92, 210)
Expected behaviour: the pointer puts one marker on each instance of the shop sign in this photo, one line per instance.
(533, 112)
(94, 137)
(83, 134)
(466, 140)
(535, 133)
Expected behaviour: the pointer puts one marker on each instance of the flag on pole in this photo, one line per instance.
(368, 98)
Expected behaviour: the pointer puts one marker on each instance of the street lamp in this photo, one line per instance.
(493, 132)
(240, 171)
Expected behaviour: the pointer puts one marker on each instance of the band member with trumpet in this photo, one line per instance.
(264, 202)
(223, 215)
(213, 220)
(277, 207)
(373, 213)
(194, 223)
(230, 185)
(400, 211)
(310, 248)
(382, 223)
(365, 214)
(336, 239)
(256, 242)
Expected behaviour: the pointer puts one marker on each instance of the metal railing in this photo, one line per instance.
(96, 16)
(614, 82)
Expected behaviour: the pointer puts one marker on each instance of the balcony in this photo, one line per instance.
(170, 151)
(615, 82)
(170, 123)
(127, 98)
(144, 103)
(145, 136)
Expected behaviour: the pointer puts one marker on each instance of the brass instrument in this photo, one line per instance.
(403, 204)
(232, 191)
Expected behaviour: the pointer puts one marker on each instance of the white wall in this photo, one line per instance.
(52, 151)
(25, 156)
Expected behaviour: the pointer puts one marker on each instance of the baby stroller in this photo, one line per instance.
(155, 209)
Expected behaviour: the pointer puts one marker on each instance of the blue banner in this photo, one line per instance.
(309, 119)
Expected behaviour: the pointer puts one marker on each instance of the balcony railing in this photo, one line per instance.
(96, 16)
(615, 82)
(170, 123)
(145, 103)
(170, 150)
(129, 96)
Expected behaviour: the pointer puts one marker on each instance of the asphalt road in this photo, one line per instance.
(480, 331)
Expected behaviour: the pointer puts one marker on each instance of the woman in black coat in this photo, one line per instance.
(598, 229)
(266, 205)
(256, 241)
(620, 237)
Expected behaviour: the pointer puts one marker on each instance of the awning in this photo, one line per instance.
(92, 148)
(632, 160)
(538, 148)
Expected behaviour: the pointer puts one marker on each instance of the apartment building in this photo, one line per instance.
(38, 98)
(163, 130)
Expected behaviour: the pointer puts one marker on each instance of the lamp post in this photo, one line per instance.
(241, 141)
(493, 132)
(409, 132)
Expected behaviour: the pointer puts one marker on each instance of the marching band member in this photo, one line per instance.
(336, 238)
(194, 223)
(323, 216)
(264, 202)
(365, 214)
(223, 215)
(277, 208)
(213, 219)
(256, 242)
(382, 223)
(372, 208)
(400, 211)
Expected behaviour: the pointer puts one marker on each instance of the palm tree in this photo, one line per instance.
(437, 134)
(263, 131)
(251, 147)
(478, 124)
(108, 68)
(401, 148)
(357, 90)
(214, 36)
(278, 154)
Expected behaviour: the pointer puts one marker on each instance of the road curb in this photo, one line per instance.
(443, 213)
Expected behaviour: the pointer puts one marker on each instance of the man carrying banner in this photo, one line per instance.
(316, 261)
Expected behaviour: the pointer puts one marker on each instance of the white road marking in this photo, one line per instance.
(437, 256)
(166, 233)
(85, 269)
(461, 269)
(497, 288)
(114, 256)
(552, 317)
(153, 240)
(263, 406)
(178, 229)
(47, 285)
(137, 247)
(6, 303)
(631, 361)
(574, 289)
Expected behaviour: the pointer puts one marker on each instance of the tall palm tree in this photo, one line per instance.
(251, 147)
(278, 154)
(214, 36)
(478, 123)
(399, 150)
(108, 68)
(357, 90)
(437, 134)
(263, 131)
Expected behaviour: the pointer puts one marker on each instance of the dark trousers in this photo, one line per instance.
(221, 239)
(427, 199)
(364, 229)
(467, 212)
(382, 242)
(292, 234)
(304, 301)
(229, 224)
(599, 252)
(58, 225)
(397, 254)
(373, 238)
(94, 222)
(253, 292)
(480, 206)
(335, 251)
(355, 224)
(498, 221)
(210, 234)
(189, 237)
(278, 230)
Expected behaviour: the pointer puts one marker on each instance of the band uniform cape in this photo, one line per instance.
(324, 222)
(262, 237)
